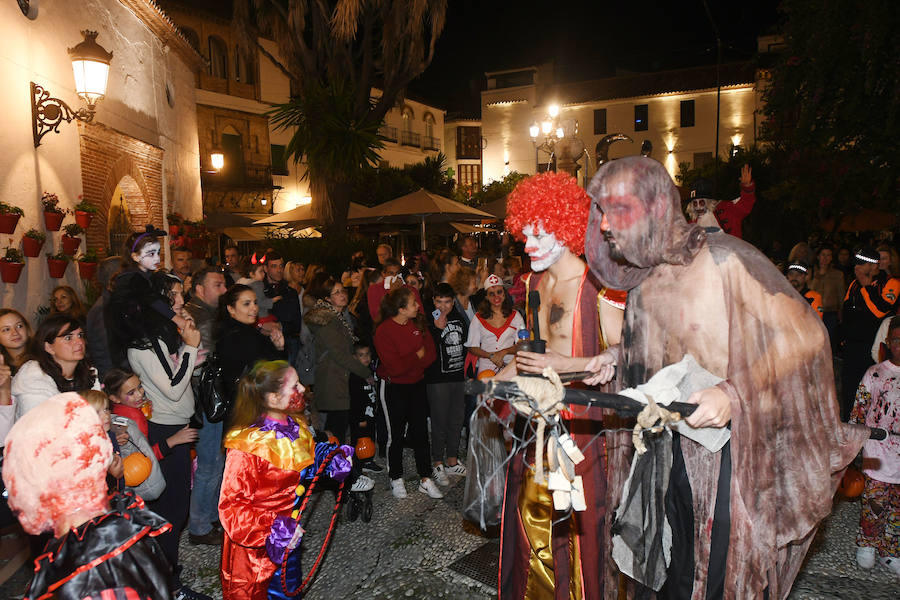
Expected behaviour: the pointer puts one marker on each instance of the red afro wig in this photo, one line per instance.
(554, 200)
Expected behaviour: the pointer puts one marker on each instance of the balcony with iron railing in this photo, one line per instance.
(431, 143)
(410, 138)
(389, 133)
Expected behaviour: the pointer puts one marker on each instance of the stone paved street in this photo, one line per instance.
(407, 549)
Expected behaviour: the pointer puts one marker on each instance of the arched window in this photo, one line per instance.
(429, 125)
(218, 58)
(243, 68)
(191, 36)
(408, 117)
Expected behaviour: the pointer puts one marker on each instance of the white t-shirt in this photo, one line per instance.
(481, 337)
(881, 459)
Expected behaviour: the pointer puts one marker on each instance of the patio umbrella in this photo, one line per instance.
(496, 208)
(423, 207)
(302, 216)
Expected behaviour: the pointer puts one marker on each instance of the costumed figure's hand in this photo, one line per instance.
(603, 367)
(532, 362)
(339, 467)
(185, 435)
(713, 408)
(190, 334)
(746, 176)
(285, 534)
(497, 358)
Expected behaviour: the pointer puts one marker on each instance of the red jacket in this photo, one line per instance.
(731, 215)
(397, 346)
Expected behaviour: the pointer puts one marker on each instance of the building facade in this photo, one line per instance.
(135, 161)
(464, 145)
(674, 110)
(233, 95)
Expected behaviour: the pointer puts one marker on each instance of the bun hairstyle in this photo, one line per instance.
(264, 378)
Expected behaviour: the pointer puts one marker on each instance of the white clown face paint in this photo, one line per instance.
(148, 259)
(543, 248)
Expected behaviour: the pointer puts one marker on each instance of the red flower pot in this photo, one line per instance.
(87, 270)
(83, 218)
(10, 271)
(173, 231)
(70, 244)
(53, 220)
(57, 267)
(31, 247)
(8, 222)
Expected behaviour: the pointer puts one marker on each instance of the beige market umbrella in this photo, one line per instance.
(423, 207)
(302, 216)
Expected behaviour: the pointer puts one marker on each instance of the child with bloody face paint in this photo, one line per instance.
(271, 455)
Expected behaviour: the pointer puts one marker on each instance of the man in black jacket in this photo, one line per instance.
(287, 303)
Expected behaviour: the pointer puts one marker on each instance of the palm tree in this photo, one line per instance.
(335, 52)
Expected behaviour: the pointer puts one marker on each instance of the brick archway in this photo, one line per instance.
(110, 159)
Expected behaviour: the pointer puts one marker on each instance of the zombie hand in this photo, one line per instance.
(746, 176)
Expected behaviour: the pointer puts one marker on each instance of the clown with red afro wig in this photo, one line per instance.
(553, 200)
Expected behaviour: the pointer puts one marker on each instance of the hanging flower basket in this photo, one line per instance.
(87, 270)
(32, 242)
(8, 222)
(83, 218)
(173, 231)
(70, 244)
(10, 271)
(53, 220)
(57, 267)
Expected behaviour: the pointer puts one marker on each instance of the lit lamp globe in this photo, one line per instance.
(534, 130)
(560, 132)
(546, 127)
(90, 65)
(553, 110)
(217, 159)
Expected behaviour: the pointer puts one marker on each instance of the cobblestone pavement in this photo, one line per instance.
(407, 549)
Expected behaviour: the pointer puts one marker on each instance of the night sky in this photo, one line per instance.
(585, 40)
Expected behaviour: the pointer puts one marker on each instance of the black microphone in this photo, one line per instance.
(534, 302)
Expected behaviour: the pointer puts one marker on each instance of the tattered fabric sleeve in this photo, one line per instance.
(788, 446)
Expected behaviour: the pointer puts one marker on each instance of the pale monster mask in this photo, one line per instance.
(543, 248)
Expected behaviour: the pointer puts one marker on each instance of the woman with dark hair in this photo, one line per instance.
(163, 357)
(405, 349)
(270, 450)
(492, 333)
(64, 301)
(359, 307)
(240, 342)
(15, 334)
(56, 364)
(334, 350)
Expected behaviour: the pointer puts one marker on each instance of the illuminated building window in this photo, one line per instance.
(470, 176)
(600, 121)
(641, 117)
(218, 58)
(687, 113)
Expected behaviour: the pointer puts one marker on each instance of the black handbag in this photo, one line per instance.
(211, 394)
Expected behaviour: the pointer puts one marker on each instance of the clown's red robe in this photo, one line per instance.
(572, 560)
(262, 471)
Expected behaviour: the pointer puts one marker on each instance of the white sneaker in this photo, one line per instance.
(426, 486)
(892, 563)
(362, 484)
(865, 557)
(439, 476)
(457, 469)
(398, 488)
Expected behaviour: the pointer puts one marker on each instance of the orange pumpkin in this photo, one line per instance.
(147, 409)
(365, 448)
(852, 483)
(486, 374)
(137, 469)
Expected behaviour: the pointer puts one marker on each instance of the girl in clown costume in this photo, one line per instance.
(270, 450)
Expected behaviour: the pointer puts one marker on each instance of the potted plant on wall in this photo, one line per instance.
(70, 239)
(57, 263)
(175, 221)
(32, 242)
(53, 214)
(11, 265)
(87, 264)
(84, 212)
(9, 217)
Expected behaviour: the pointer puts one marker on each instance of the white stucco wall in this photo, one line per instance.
(135, 105)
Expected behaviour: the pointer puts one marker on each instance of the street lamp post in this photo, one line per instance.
(556, 137)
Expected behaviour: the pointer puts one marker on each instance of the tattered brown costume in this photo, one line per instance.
(718, 298)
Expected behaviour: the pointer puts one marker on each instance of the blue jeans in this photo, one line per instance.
(207, 478)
